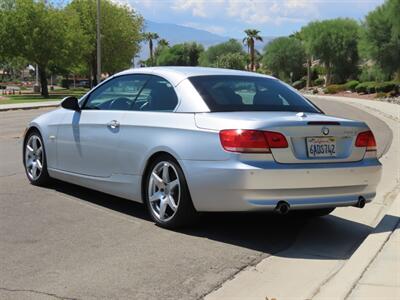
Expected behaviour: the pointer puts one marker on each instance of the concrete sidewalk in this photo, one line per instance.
(373, 271)
(382, 278)
(32, 105)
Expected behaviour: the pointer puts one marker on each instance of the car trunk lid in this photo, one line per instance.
(306, 133)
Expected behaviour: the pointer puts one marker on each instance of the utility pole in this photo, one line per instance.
(98, 44)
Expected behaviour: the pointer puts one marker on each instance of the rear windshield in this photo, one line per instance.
(247, 93)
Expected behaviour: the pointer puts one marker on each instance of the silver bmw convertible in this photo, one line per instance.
(185, 140)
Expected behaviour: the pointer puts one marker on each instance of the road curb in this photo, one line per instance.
(343, 282)
(345, 279)
(27, 106)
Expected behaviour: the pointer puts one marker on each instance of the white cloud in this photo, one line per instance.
(247, 11)
(273, 11)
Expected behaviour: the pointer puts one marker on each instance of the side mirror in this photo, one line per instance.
(70, 102)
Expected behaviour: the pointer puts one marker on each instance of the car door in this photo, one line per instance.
(147, 124)
(88, 140)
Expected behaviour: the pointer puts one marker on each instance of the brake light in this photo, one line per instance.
(251, 141)
(366, 139)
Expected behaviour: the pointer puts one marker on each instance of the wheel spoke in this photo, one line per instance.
(155, 197)
(34, 170)
(34, 143)
(157, 180)
(29, 163)
(39, 165)
(29, 148)
(173, 184)
(165, 173)
(39, 151)
(171, 203)
(163, 208)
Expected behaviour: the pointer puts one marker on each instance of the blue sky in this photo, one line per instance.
(231, 17)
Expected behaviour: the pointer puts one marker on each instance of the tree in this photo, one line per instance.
(38, 32)
(162, 43)
(186, 54)
(380, 37)
(252, 35)
(236, 61)
(119, 39)
(285, 57)
(210, 57)
(149, 37)
(334, 42)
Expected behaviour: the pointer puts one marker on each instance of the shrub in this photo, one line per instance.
(334, 88)
(319, 81)
(365, 87)
(385, 87)
(371, 88)
(351, 85)
(299, 84)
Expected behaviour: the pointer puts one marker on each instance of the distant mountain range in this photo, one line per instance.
(176, 34)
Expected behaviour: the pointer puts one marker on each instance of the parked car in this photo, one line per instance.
(184, 140)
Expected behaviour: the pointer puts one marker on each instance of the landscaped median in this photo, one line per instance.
(388, 91)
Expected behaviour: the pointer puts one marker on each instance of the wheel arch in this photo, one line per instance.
(28, 130)
(146, 168)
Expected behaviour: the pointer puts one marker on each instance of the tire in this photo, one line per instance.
(314, 213)
(166, 194)
(34, 159)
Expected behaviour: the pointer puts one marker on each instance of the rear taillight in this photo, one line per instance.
(275, 139)
(251, 141)
(366, 139)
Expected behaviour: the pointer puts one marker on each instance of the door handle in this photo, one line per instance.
(113, 124)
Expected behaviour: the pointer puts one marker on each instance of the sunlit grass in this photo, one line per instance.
(56, 95)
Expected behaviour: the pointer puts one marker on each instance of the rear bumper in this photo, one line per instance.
(250, 186)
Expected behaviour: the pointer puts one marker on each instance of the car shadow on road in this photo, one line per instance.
(329, 237)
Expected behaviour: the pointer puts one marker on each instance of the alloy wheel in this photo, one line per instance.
(164, 191)
(34, 157)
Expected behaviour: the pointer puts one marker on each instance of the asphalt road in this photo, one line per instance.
(65, 241)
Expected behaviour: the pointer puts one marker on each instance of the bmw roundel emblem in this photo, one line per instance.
(325, 130)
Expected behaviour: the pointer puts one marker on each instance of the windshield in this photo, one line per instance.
(247, 93)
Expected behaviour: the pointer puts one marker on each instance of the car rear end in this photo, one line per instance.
(304, 159)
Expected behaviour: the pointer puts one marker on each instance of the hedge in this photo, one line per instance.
(334, 88)
(364, 87)
(351, 85)
(385, 87)
(371, 87)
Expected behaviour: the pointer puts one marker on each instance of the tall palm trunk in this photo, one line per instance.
(252, 54)
(151, 51)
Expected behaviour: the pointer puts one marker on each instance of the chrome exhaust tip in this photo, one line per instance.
(282, 208)
(360, 203)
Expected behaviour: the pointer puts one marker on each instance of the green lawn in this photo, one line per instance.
(54, 96)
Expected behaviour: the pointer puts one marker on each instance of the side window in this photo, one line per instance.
(119, 93)
(157, 95)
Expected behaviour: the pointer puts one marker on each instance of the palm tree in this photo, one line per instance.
(163, 43)
(149, 37)
(252, 35)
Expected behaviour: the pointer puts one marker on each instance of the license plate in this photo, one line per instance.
(321, 147)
